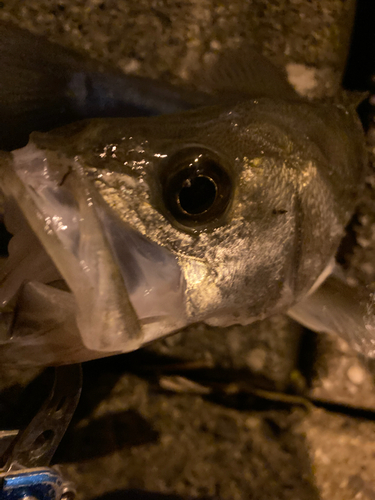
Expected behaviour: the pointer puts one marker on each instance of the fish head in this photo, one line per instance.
(224, 215)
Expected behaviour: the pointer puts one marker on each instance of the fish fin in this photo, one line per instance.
(34, 86)
(244, 73)
(335, 307)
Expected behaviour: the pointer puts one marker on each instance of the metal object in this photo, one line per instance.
(26, 475)
(32, 484)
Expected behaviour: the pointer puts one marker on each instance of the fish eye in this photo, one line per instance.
(196, 187)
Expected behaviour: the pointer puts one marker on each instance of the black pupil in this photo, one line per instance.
(197, 195)
(196, 188)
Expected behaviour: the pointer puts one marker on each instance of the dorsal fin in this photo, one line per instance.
(244, 72)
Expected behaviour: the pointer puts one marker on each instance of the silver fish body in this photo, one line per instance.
(226, 214)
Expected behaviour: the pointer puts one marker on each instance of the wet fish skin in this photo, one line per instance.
(95, 198)
(296, 171)
(286, 189)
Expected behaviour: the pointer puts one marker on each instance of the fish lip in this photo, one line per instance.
(152, 274)
(77, 231)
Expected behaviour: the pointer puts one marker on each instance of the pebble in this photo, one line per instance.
(356, 375)
(256, 359)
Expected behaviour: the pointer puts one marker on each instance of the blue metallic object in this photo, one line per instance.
(26, 454)
(39, 483)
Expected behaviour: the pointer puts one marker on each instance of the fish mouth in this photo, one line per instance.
(70, 252)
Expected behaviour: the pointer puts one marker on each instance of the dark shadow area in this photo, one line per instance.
(116, 432)
(366, 112)
(247, 390)
(103, 374)
(4, 240)
(105, 435)
(10, 406)
(18, 405)
(136, 494)
(98, 374)
(150, 365)
(342, 409)
(243, 401)
(88, 438)
(361, 61)
(307, 355)
(140, 360)
(348, 243)
(360, 66)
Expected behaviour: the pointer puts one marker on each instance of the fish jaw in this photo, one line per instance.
(123, 290)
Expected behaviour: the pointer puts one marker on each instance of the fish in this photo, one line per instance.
(225, 208)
